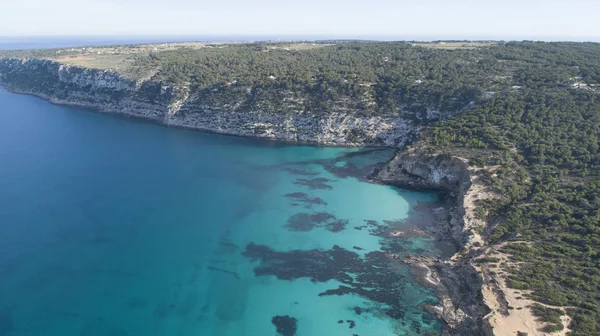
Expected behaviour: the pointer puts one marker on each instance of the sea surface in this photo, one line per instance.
(112, 226)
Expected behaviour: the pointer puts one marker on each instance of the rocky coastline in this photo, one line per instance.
(456, 280)
(171, 105)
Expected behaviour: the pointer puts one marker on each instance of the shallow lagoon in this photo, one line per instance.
(111, 226)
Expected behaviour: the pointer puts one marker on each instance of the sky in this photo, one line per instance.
(383, 19)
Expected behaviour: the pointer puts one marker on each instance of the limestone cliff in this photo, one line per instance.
(440, 172)
(178, 105)
(459, 286)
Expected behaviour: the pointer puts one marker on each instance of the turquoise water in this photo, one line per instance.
(110, 226)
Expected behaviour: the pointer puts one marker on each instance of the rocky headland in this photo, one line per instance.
(456, 279)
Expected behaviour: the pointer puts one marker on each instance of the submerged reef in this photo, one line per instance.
(286, 325)
(307, 222)
(370, 277)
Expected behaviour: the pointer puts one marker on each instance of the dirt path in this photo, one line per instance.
(511, 310)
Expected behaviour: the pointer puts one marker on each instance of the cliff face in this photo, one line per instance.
(462, 305)
(449, 174)
(108, 91)
(103, 90)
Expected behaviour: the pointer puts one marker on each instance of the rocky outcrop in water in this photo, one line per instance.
(177, 105)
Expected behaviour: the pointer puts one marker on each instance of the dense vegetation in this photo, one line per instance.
(534, 121)
(373, 78)
(543, 144)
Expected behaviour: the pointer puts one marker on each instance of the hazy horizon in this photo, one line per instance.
(549, 20)
(297, 37)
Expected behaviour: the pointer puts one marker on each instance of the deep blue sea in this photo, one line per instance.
(112, 226)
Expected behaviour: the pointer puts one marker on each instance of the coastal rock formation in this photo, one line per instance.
(175, 105)
(452, 175)
(107, 79)
(456, 280)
